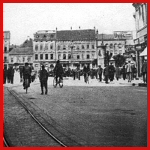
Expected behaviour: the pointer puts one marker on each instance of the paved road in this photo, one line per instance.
(104, 115)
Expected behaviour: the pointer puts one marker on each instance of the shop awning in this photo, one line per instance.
(144, 53)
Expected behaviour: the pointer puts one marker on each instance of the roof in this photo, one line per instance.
(76, 35)
(22, 51)
(27, 43)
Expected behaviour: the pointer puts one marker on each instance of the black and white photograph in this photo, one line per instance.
(75, 74)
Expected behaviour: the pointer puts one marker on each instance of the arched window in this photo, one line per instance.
(51, 46)
(69, 56)
(64, 56)
(88, 56)
(36, 47)
(41, 46)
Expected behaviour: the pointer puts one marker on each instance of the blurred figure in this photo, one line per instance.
(123, 72)
(144, 71)
(111, 72)
(21, 73)
(100, 71)
(106, 73)
(10, 74)
(117, 73)
(86, 71)
(129, 71)
(5, 74)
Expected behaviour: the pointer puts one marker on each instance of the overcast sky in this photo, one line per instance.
(24, 19)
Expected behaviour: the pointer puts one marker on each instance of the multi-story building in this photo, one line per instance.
(115, 44)
(6, 46)
(44, 48)
(76, 47)
(20, 55)
(140, 16)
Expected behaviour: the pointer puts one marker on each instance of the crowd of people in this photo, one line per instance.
(107, 74)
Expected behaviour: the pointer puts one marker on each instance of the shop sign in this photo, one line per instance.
(138, 47)
(123, 35)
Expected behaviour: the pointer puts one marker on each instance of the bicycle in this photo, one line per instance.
(59, 81)
(26, 84)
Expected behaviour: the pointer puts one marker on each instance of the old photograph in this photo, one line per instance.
(75, 74)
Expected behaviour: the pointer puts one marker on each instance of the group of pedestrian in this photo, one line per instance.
(9, 74)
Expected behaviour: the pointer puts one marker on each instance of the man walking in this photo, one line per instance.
(100, 71)
(129, 71)
(144, 71)
(111, 72)
(43, 79)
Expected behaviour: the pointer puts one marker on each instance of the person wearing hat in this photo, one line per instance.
(43, 80)
(58, 71)
(144, 71)
(100, 71)
(26, 74)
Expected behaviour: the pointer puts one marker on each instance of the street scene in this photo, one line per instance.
(80, 86)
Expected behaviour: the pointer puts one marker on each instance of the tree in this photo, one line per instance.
(119, 60)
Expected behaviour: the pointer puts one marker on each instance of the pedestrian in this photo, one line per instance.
(26, 74)
(144, 71)
(5, 74)
(117, 73)
(123, 72)
(43, 80)
(58, 71)
(134, 71)
(129, 71)
(86, 72)
(21, 73)
(106, 73)
(111, 72)
(100, 71)
(10, 74)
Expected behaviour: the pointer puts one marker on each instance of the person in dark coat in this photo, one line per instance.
(100, 71)
(5, 74)
(58, 71)
(86, 70)
(10, 74)
(43, 79)
(144, 71)
(106, 74)
(123, 72)
(111, 72)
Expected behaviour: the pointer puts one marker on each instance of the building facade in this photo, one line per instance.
(113, 44)
(18, 56)
(44, 48)
(76, 47)
(140, 16)
(6, 46)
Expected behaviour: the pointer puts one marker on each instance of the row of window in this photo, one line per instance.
(41, 56)
(64, 47)
(64, 56)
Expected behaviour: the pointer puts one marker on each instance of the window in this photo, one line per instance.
(69, 56)
(5, 49)
(46, 56)
(5, 59)
(12, 59)
(46, 46)
(51, 46)
(29, 59)
(59, 56)
(78, 56)
(82, 46)
(51, 56)
(58, 47)
(64, 56)
(64, 47)
(88, 56)
(41, 56)
(23, 59)
(41, 46)
(93, 47)
(78, 47)
(36, 56)
(36, 47)
(88, 46)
